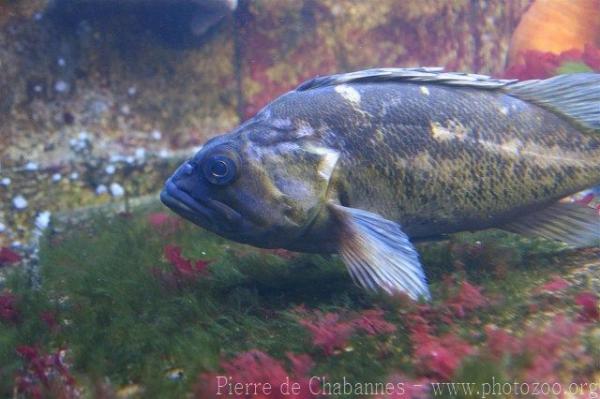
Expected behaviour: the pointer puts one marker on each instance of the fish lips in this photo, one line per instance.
(208, 213)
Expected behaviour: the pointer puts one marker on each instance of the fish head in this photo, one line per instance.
(261, 185)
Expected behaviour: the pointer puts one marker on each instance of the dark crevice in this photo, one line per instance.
(240, 16)
(474, 18)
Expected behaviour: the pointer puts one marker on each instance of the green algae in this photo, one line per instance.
(119, 320)
(573, 67)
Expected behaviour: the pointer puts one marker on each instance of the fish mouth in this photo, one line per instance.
(208, 213)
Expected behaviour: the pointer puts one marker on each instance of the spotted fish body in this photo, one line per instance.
(364, 163)
(440, 159)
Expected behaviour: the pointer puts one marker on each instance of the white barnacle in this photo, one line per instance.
(31, 166)
(349, 93)
(424, 90)
(116, 158)
(101, 189)
(5, 181)
(117, 190)
(163, 153)
(61, 86)
(504, 110)
(2, 228)
(19, 202)
(156, 135)
(83, 135)
(56, 177)
(140, 153)
(42, 220)
(110, 169)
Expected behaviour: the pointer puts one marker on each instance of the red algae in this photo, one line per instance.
(332, 331)
(50, 319)
(372, 322)
(549, 347)
(255, 374)
(164, 223)
(591, 56)
(500, 342)
(439, 357)
(539, 65)
(45, 375)
(183, 272)
(329, 333)
(8, 308)
(8, 257)
(556, 284)
(467, 299)
(435, 357)
(588, 302)
(543, 349)
(184, 267)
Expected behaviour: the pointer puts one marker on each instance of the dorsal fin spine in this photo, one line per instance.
(433, 75)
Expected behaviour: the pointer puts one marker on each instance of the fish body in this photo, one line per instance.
(364, 163)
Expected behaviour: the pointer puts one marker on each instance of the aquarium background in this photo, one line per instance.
(104, 293)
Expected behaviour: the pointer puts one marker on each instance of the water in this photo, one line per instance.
(105, 292)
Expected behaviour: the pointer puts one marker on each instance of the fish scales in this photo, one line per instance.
(365, 163)
(493, 155)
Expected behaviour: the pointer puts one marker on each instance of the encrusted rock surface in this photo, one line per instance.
(83, 95)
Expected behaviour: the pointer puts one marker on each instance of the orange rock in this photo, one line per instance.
(556, 26)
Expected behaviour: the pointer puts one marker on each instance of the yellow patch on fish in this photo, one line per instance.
(453, 131)
(423, 161)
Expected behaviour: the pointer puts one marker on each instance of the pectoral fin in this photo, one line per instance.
(574, 224)
(378, 254)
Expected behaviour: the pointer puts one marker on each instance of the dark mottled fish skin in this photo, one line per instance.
(442, 159)
(365, 163)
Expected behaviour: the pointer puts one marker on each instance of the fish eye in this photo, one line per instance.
(219, 169)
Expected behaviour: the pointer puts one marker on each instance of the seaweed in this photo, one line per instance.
(143, 304)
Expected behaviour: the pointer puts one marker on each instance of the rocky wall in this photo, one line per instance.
(93, 104)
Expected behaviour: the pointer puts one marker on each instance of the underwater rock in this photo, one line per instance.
(177, 23)
(63, 93)
(555, 27)
(95, 67)
(31, 196)
(283, 43)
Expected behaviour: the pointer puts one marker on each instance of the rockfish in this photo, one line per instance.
(365, 163)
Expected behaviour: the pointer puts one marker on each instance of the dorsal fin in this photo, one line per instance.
(575, 96)
(421, 74)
